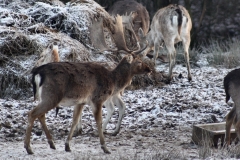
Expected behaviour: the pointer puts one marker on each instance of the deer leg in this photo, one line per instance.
(147, 50)
(28, 133)
(39, 110)
(236, 122)
(97, 112)
(76, 116)
(186, 43)
(156, 49)
(48, 135)
(229, 120)
(237, 128)
(78, 129)
(121, 107)
(172, 57)
(110, 109)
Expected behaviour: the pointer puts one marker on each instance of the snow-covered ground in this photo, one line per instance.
(157, 123)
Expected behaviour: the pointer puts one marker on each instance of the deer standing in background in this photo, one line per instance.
(232, 90)
(134, 14)
(116, 32)
(79, 84)
(47, 58)
(170, 25)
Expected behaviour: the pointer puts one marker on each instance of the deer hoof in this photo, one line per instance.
(104, 148)
(29, 150)
(115, 133)
(168, 81)
(51, 144)
(67, 148)
(77, 133)
(189, 78)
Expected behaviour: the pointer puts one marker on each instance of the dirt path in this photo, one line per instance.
(140, 144)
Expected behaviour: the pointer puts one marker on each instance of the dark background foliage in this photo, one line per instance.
(212, 19)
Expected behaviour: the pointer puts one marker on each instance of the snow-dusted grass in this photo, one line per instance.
(223, 54)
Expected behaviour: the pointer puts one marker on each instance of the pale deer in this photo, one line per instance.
(110, 103)
(45, 57)
(79, 84)
(232, 90)
(170, 25)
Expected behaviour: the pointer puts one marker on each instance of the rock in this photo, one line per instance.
(10, 135)
(9, 116)
(6, 124)
(8, 105)
(214, 119)
(19, 139)
(38, 132)
(132, 127)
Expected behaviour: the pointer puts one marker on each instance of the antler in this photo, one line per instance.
(97, 35)
(141, 49)
(128, 24)
(118, 34)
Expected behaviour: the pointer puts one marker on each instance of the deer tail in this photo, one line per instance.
(55, 53)
(180, 18)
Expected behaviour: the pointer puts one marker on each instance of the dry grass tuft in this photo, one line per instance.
(223, 54)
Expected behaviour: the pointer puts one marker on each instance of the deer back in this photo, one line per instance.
(81, 82)
(232, 85)
(171, 21)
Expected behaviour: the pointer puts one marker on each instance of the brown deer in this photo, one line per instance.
(109, 104)
(232, 88)
(79, 84)
(170, 25)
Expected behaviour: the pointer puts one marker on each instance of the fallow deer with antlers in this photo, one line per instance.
(79, 84)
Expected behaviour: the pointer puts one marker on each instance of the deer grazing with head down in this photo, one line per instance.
(116, 26)
(134, 14)
(170, 25)
(232, 88)
(79, 84)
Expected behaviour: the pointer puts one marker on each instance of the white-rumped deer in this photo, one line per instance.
(232, 89)
(170, 25)
(79, 84)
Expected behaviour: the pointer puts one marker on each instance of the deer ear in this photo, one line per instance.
(140, 32)
(129, 58)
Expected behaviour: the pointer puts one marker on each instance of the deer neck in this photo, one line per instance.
(122, 75)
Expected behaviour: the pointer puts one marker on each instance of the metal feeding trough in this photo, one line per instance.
(211, 133)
